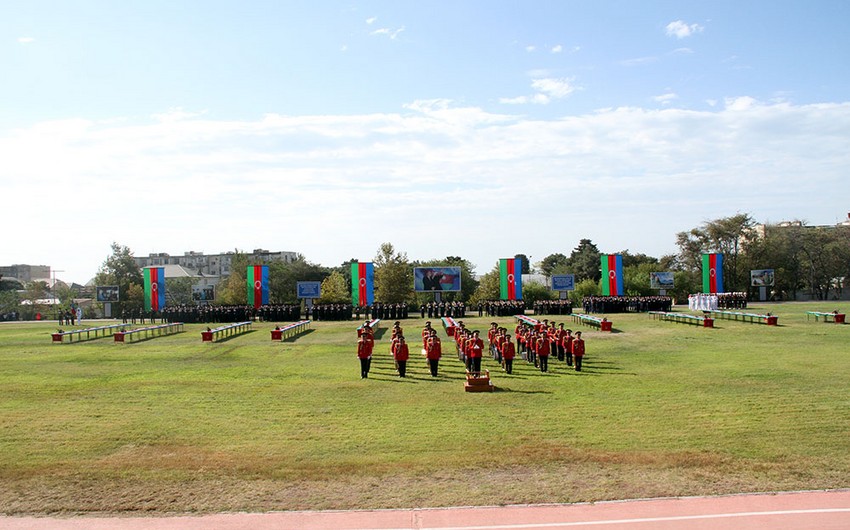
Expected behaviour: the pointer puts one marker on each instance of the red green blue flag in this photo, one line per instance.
(154, 288)
(612, 275)
(712, 273)
(510, 279)
(362, 283)
(257, 283)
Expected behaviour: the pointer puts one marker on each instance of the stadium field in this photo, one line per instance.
(174, 425)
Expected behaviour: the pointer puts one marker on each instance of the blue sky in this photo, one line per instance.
(481, 129)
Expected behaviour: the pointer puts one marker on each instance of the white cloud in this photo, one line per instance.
(391, 33)
(199, 175)
(530, 48)
(740, 103)
(666, 99)
(371, 20)
(639, 61)
(681, 29)
(546, 89)
(555, 88)
(25, 40)
(557, 49)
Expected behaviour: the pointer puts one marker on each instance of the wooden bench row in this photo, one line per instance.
(770, 320)
(290, 330)
(602, 323)
(222, 332)
(835, 316)
(149, 332)
(87, 333)
(683, 318)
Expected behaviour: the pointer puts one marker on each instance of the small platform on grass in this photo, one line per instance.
(683, 318)
(835, 316)
(372, 324)
(87, 333)
(478, 382)
(755, 318)
(148, 332)
(590, 320)
(223, 332)
(290, 330)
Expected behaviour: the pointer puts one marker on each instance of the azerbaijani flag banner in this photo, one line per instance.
(362, 283)
(510, 279)
(154, 288)
(712, 273)
(257, 283)
(612, 275)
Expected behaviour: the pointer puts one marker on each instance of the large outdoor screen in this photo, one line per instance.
(429, 279)
(106, 293)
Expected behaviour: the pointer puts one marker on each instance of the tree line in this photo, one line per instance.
(808, 260)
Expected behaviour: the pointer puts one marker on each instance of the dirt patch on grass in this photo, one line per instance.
(589, 477)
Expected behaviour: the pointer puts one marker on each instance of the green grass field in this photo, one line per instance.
(662, 409)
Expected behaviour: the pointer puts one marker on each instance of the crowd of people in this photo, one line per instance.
(626, 304)
(535, 342)
(732, 300)
(501, 308)
(329, 312)
(553, 307)
(443, 309)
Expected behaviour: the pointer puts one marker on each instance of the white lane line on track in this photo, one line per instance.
(628, 521)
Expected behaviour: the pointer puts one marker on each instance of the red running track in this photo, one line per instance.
(815, 510)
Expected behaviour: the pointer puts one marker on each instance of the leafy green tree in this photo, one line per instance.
(533, 291)
(393, 275)
(119, 269)
(526, 265)
(586, 287)
(551, 262)
(179, 290)
(10, 302)
(488, 287)
(584, 261)
(284, 278)
(335, 289)
(135, 297)
(234, 290)
(728, 236)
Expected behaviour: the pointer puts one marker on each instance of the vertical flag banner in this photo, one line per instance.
(362, 283)
(712, 273)
(612, 275)
(510, 279)
(154, 288)
(257, 283)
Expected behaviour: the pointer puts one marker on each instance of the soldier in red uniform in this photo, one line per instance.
(578, 350)
(508, 354)
(433, 352)
(543, 351)
(476, 350)
(568, 346)
(364, 352)
(400, 353)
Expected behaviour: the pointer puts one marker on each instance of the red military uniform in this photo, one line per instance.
(508, 354)
(400, 353)
(433, 352)
(543, 352)
(364, 353)
(578, 350)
